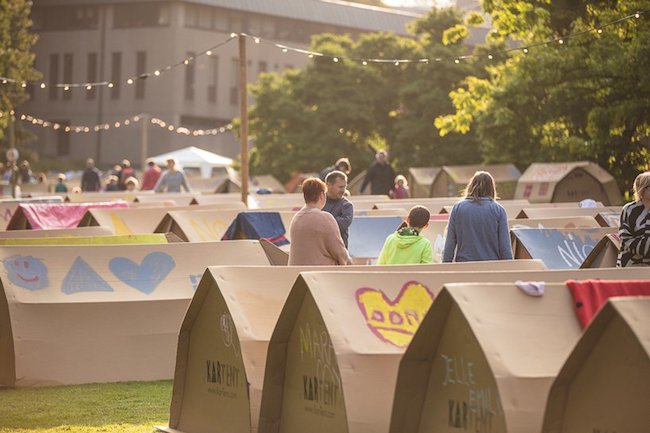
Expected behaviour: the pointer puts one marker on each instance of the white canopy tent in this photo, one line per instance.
(193, 157)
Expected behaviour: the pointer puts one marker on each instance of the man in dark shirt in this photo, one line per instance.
(380, 175)
(339, 206)
(90, 179)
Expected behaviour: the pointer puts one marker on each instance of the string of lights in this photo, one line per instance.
(130, 121)
(131, 80)
(312, 54)
(457, 59)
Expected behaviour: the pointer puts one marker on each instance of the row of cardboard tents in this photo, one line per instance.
(257, 347)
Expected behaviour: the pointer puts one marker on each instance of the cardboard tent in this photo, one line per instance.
(229, 324)
(133, 220)
(568, 182)
(548, 212)
(258, 225)
(83, 314)
(332, 360)
(157, 238)
(604, 385)
(101, 196)
(453, 179)
(76, 231)
(205, 225)
(8, 207)
(209, 164)
(420, 180)
(179, 199)
(558, 248)
(54, 216)
(485, 355)
(231, 201)
(554, 223)
(277, 201)
(604, 254)
(609, 218)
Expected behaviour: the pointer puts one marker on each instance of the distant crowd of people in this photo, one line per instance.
(123, 178)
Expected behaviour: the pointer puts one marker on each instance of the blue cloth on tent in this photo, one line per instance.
(257, 225)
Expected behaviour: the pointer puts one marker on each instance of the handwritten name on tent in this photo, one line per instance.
(31, 273)
(395, 321)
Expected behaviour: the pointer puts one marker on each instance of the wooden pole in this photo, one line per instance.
(243, 115)
(145, 142)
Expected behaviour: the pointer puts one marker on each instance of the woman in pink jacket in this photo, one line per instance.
(315, 236)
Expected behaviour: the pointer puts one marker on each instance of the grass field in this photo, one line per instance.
(131, 407)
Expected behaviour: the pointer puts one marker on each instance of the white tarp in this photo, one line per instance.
(193, 157)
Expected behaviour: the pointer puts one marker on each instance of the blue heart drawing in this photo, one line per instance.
(146, 276)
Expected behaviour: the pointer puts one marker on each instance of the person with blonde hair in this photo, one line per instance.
(478, 225)
(401, 188)
(633, 229)
(315, 236)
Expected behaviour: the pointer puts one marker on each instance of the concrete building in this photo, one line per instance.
(88, 41)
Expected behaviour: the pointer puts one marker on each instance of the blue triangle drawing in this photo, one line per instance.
(83, 278)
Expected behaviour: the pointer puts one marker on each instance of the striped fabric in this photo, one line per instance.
(635, 236)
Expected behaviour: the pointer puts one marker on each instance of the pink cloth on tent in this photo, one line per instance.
(590, 295)
(44, 216)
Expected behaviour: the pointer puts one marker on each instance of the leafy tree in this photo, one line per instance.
(16, 59)
(585, 98)
(304, 120)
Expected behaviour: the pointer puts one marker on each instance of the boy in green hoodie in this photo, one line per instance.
(407, 245)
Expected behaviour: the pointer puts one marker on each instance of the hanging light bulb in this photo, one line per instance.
(42, 85)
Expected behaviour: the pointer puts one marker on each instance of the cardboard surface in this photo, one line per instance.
(352, 328)
(604, 385)
(89, 197)
(554, 222)
(604, 254)
(558, 248)
(368, 234)
(9, 206)
(181, 199)
(452, 179)
(157, 238)
(197, 226)
(555, 212)
(250, 300)
(82, 314)
(76, 231)
(126, 221)
(421, 179)
(485, 355)
(609, 219)
(40, 216)
(567, 182)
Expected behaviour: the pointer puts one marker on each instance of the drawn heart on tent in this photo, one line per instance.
(146, 276)
(395, 321)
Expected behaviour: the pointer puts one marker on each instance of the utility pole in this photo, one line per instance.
(243, 115)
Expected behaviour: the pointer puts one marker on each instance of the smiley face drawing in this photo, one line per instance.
(27, 272)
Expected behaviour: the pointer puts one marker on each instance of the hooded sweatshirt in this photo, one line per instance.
(405, 246)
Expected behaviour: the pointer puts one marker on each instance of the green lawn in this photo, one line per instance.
(131, 407)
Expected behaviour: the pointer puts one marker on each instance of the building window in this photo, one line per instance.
(148, 14)
(234, 88)
(212, 87)
(262, 67)
(116, 75)
(54, 77)
(67, 75)
(63, 139)
(189, 78)
(92, 75)
(140, 69)
(220, 20)
(75, 17)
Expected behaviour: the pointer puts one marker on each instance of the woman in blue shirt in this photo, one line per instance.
(172, 180)
(478, 225)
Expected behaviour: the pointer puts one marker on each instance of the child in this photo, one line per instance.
(401, 188)
(131, 184)
(112, 184)
(407, 245)
(60, 184)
